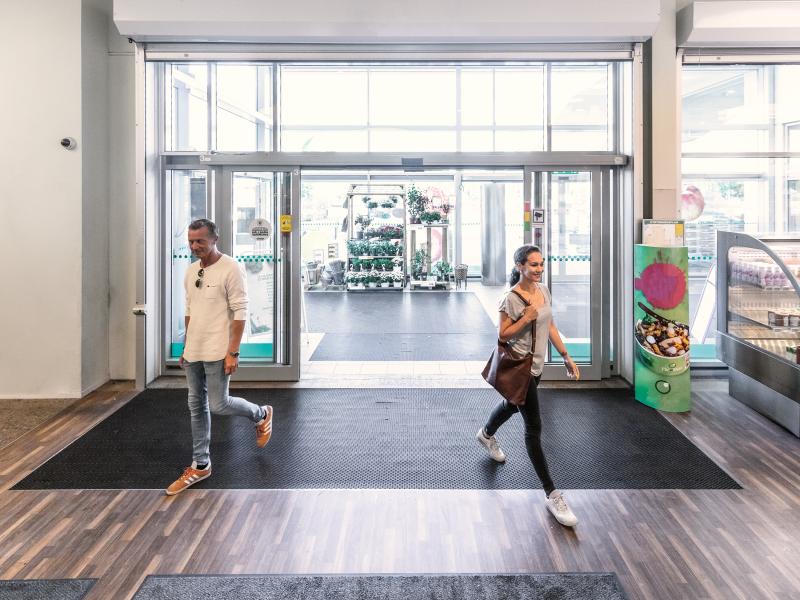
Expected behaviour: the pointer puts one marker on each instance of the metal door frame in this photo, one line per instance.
(286, 338)
(600, 330)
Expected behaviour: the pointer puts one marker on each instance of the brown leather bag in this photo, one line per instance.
(509, 373)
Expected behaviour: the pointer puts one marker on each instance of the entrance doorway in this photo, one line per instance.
(455, 261)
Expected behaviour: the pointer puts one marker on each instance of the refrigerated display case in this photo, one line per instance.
(758, 319)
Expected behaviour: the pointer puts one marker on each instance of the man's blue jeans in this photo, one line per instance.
(208, 388)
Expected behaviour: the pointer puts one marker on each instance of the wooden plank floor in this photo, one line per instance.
(663, 544)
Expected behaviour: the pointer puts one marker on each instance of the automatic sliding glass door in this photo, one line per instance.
(249, 204)
(567, 223)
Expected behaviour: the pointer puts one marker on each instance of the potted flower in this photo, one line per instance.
(429, 217)
(362, 222)
(372, 279)
(389, 202)
(416, 202)
(442, 269)
(354, 280)
(445, 209)
(397, 278)
(421, 257)
(386, 279)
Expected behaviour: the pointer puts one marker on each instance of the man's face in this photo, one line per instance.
(201, 242)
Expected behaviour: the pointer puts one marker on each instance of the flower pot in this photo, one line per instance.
(386, 284)
(397, 284)
(373, 284)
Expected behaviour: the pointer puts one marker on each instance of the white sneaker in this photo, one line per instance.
(557, 505)
(491, 445)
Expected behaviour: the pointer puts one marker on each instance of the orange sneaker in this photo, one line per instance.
(191, 475)
(264, 428)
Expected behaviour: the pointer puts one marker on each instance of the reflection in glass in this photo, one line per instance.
(255, 195)
(186, 110)
(185, 193)
(569, 259)
(244, 107)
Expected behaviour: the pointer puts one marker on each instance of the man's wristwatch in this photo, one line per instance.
(234, 354)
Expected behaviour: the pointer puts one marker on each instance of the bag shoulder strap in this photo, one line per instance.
(518, 295)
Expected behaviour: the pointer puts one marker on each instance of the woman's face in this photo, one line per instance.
(533, 267)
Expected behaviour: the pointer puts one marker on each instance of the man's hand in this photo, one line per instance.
(181, 361)
(231, 364)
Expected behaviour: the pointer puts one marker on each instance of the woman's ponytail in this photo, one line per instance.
(513, 279)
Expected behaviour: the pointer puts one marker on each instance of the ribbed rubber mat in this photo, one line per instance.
(45, 589)
(533, 586)
(386, 438)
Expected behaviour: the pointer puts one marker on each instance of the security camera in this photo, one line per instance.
(69, 143)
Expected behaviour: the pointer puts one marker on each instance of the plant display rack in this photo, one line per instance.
(377, 259)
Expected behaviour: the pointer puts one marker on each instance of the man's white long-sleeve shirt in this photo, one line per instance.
(212, 307)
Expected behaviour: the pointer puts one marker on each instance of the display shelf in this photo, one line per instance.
(758, 317)
(377, 215)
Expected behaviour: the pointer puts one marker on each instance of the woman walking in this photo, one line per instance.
(525, 311)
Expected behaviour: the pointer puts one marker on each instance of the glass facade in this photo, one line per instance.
(389, 108)
(730, 112)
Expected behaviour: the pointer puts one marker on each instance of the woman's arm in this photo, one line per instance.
(510, 329)
(555, 338)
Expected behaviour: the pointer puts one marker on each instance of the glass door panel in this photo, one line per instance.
(566, 223)
(258, 195)
(569, 254)
(186, 197)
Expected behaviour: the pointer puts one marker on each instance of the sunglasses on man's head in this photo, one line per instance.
(199, 281)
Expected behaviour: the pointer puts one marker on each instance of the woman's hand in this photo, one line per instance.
(572, 369)
(529, 314)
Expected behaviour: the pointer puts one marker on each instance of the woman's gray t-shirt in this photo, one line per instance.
(513, 305)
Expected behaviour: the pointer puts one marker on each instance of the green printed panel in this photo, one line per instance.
(660, 327)
(259, 351)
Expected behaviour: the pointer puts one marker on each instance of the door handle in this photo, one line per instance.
(140, 309)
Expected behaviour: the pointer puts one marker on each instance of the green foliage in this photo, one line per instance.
(442, 268)
(416, 201)
(430, 217)
(418, 262)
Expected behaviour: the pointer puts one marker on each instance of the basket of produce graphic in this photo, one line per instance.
(662, 344)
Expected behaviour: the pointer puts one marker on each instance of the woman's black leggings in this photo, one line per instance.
(533, 430)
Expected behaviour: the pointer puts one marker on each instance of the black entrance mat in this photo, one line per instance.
(540, 586)
(385, 438)
(405, 346)
(397, 312)
(44, 589)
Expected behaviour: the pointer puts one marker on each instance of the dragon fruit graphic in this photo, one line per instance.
(663, 284)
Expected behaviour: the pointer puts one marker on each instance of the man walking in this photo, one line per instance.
(216, 308)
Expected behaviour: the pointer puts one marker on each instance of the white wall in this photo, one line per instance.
(122, 209)
(40, 199)
(95, 20)
(665, 118)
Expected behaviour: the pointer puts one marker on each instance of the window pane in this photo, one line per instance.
(244, 107)
(186, 114)
(519, 95)
(330, 140)
(518, 141)
(412, 97)
(477, 141)
(726, 194)
(725, 108)
(185, 193)
(323, 96)
(579, 95)
(477, 97)
(409, 140)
